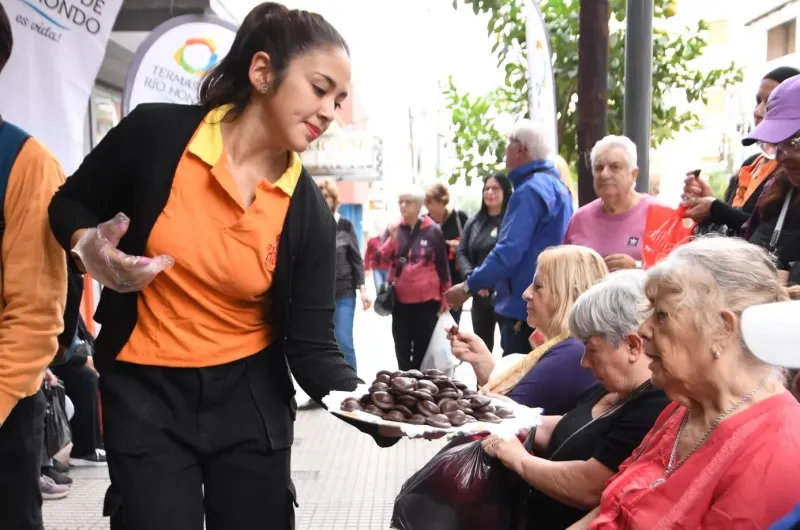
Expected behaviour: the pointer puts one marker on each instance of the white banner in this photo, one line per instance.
(58, 48)
(169, 64)
(541, 83)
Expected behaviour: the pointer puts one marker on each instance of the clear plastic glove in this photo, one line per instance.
(97, 250)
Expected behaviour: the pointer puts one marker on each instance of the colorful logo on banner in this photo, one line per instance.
(186, 55)
(170, 63)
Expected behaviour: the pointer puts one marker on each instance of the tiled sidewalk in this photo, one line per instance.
(344, 481)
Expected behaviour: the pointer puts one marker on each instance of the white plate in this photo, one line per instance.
(524, 418)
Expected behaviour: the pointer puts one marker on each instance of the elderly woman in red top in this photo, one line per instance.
(417, 254)
(726, 453)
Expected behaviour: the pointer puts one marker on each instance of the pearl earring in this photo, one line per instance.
(716, 355)
(263, 88)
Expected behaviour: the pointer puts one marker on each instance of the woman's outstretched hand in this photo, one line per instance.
(97, 251)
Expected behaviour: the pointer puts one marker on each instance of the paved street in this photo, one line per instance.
(344, 480)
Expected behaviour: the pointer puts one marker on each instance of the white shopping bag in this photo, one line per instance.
(439, 356)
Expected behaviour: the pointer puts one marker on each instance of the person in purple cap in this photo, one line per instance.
(727, 216)
(775, 223)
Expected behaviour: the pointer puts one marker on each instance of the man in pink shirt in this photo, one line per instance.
(614, 223)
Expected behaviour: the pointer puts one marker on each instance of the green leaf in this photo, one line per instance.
(478, 145)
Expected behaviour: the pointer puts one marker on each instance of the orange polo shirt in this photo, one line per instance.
(209, 309)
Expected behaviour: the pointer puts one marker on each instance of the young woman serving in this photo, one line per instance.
(222, 281)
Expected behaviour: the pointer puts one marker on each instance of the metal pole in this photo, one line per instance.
(592, 89)
(639, 83)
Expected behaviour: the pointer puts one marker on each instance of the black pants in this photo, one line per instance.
(515, 335)
(184, 442)
(81, 385)
(21, 442)
(412, 327)
(484, 319)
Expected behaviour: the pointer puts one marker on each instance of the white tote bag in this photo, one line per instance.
(439, 356)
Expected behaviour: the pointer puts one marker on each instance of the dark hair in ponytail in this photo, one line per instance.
(6, 38)
(273, 28)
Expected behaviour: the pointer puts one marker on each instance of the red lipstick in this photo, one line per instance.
(315, 131)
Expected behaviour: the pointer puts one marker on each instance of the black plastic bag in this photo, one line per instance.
(56, 425)
(461, 488)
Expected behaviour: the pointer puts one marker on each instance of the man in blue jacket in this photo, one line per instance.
(536, 218)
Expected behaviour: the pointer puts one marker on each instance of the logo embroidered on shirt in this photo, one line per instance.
(423, 242)
(272, 254)
(633, 241)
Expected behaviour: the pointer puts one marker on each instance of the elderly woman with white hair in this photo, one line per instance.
(419, 272)
(577, 453)
(725, 454)
(614, 223)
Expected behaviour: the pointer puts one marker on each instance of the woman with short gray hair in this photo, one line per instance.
(732, 432)
(416, 252)
(577, 453)
(614, 223)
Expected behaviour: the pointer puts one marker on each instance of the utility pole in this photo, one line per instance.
(592, 89)
(639, 84)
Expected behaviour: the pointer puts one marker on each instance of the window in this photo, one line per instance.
(781, 40)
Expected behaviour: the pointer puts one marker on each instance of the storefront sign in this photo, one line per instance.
(58, 48)
(541, 83)
(345, 156)
(170, 63)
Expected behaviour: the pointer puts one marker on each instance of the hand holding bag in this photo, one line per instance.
(461, 488)
(57, 433)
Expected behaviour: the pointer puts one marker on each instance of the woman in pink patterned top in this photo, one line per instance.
(613, 225)
(421, 276)
(725, 455)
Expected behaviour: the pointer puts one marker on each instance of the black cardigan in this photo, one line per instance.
(132, 170)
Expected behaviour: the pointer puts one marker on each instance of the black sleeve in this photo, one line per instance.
(93, 195)
(354, 254)
(634, 421)
(462, 252)
(311, 349)
(314, 358)
(725, 214)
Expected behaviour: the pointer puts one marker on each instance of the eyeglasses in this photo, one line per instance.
(790, 147)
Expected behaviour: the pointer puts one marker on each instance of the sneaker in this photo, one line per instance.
(62, 479)
(96, 459)
(60, 467)
(50, 490)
